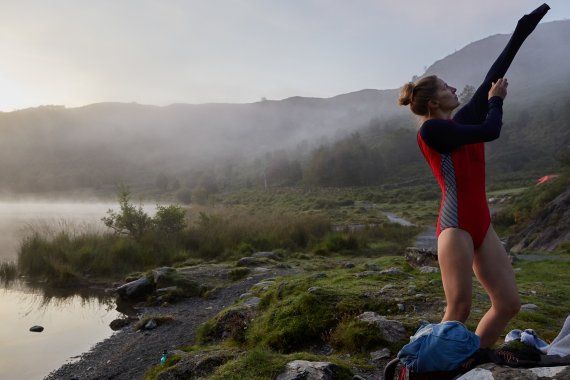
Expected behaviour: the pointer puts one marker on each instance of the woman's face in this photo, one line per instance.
(446, 97)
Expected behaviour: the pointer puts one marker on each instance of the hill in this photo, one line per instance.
(53, 148)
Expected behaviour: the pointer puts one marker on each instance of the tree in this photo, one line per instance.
(131, 220)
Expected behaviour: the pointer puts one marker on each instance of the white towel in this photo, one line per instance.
(561, 344)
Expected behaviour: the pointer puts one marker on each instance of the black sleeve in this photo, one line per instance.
(447, 135)
(475, 111)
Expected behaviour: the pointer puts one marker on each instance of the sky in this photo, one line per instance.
(78, 52)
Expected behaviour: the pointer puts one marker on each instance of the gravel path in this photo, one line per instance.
(127, 354)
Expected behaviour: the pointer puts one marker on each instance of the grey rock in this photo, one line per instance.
(151, 325)
(119, 323)
(420, 257)
(162, 276)
(168, 289)
(261, 269)
(267, 255)
(393, 331)
(348, 265)
(199, 365)
(136, 290)
(245, 295)
(492, 371)
(306, 370)
(401, 307)
(368, 273)
(252, 302)
(393, 271)
(264, 283)
(36, 328)
(529, 307)
(386, 287)
(313, 289)
(380, 354)
(373, 267)
(248, 262)
(428, 269)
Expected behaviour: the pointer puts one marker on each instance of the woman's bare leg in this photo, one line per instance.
(455, 256)
(495, 272)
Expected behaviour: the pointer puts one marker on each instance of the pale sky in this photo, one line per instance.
(78, 52)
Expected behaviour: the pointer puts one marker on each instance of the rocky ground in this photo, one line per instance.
(128, 353)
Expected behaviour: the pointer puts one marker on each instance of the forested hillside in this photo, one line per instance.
(360, 138)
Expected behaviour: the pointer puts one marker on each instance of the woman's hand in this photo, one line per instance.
(499, 88)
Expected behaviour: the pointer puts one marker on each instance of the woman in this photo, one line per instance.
(454, 148)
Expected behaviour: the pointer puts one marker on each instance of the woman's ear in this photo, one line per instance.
(433, 103)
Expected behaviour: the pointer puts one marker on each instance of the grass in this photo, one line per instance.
(65, 256)
(8, 272)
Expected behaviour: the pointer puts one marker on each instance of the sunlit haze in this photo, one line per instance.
(72, 53)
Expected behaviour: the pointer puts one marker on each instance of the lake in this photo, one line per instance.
(73, 321)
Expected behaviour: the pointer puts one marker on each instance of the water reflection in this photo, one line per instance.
(73, 320)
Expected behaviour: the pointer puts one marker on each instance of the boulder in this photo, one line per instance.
(492, 371)
(266, 255)
(380, 354)
(248, 262)
(198, 365)
(428, 269)
(136, 290)
(252, 302)
(306, 370)
(392, 331)
(162, 277)
(419, 257)
(119, 323)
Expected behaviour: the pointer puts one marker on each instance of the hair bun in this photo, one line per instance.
(406, 94)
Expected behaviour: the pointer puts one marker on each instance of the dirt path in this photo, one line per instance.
(127, 354)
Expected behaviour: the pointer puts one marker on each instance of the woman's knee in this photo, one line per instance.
(508, 307)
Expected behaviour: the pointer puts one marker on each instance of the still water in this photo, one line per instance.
(73, 321)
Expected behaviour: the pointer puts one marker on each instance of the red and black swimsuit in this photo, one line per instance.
(454, 148)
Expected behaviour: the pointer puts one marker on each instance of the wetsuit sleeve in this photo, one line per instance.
(447, 135)
(475, 111)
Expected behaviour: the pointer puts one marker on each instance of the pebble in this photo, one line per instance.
(529, 307)
(36, 328)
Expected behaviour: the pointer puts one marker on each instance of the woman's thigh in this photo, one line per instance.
(455, 257)
(495, 272)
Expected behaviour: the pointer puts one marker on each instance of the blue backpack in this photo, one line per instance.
(439, 347)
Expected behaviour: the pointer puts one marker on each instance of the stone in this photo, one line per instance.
(198, 365)
(393, 271)
(401, 307)
(420, 257)
(529, 307)
(348, 265)
(252, 302)
(136, 290)
(306, 370)
(428, 269)
(267, 255)
(392, 331)
(162, 277)
(491, 371)
(36, 328)
(319, 275)
(261, 269)
(119, 323)
(151, 325)
(368, 273)
(245, 295)
(313, 289)
(386, 287)
(264, 283)
(380, 354)
(248, 262)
